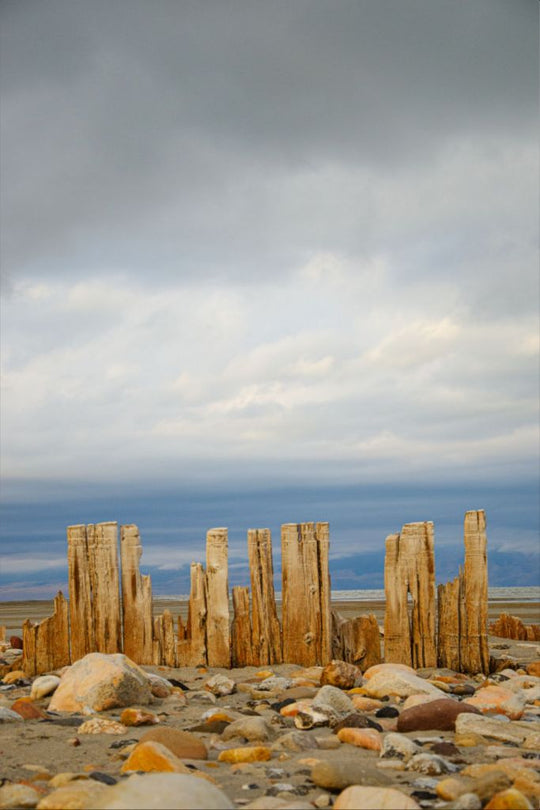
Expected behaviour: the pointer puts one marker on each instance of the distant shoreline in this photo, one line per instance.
(13, 613)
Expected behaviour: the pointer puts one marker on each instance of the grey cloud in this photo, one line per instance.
(148, 138)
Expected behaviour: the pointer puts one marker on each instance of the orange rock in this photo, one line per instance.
(497, 700)
(258, 753)
(27, 709)
(510, 799)
(340, 673)
(265, 673)
(534, 668)
(365, 704)
(11, 677)
(153, 756)
(361, 737)
(138, 717)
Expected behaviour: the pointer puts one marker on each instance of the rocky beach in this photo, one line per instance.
(106, 733)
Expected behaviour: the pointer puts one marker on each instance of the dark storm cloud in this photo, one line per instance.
(183, 139)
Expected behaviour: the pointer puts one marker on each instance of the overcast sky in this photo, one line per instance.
(269, 241)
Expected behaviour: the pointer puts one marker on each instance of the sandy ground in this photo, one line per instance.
(36, 749)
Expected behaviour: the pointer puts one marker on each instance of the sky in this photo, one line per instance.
(265, 263)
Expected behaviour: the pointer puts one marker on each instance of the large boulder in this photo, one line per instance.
(172, 790)
(99, 682)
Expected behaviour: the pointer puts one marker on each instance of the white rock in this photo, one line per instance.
(43, 686)
(15, 796)
(374, 798)
(220, 685)
(156, 791)
(8, 715)
(398, 682)
(398, 746)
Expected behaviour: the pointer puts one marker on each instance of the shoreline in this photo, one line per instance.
(14, 613)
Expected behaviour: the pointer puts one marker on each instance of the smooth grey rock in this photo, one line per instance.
(467, 801)
(398, 746)
(294, 741)
(254, 729)
(171, 790)
(8, 715)
(503, 730)
(334, 697)
(337, 775)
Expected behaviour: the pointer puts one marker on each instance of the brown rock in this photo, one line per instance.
(534, 668)
(436, 714)
(182, 744)
(16, 642)
(27, 709)
(341, 674)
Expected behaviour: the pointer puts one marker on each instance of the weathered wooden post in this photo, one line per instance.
(266, 632)
(192, 653)
(80, 593)
(136, 598)
(241, 647)
(217, 618)
(306, 594)
(463, 605)
(105, 583)
(410, 568)
(46, 644)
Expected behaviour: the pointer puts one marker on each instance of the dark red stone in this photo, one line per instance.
(437, 714)
(16, 642)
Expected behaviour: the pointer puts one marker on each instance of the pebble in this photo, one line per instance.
(220, 685)
(101, 725)
(28, 710)
(467, 801)
(275, 684)
(12, 677)
(153, 756)
(397, 746)
(160, 687)
(451, 788)
(254, 729)
(77, 794)
(357, 721)
(340, 674)
(430, 764)
(138, 717)
(374, 798)
(182, 744)
(365, 704)
(368, 738)
(43, 686)
(510, 799)
(9, 716)
(332, 696)
(171, 790)
(294, 741)
(498, 700)
(310, 717)
(337, 775)
(492, 728)
(15, 796)
(436, 714)
(394, 680)
(253, 754)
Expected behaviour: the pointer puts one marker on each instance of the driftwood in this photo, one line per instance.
(306, 620)
(193, 654)
(265, 628)
(356, 640)
(410, 571)
(80, 593)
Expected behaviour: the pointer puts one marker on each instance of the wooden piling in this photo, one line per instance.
(105, 583)
(193, 653)
(46, 644)
(241, 645)
(266, 631)
(136, 599)
(217, 618)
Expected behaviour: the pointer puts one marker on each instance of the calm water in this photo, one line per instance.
(528, 594)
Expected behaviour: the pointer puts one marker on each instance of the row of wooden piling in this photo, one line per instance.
(110, 605)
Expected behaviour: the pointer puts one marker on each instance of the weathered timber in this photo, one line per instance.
(193, 652)
(136, 598)
(241, 647)
(512, 627)
(448, 612)
(397, 634)
(80, 593)
(410, 569)
(104, 580)
(356, 640)
(46, 644)
(157, 640)
(366, 641)
(2, 633)
(474, 642)
(217, 618)
(266, 631)
(306, 622)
